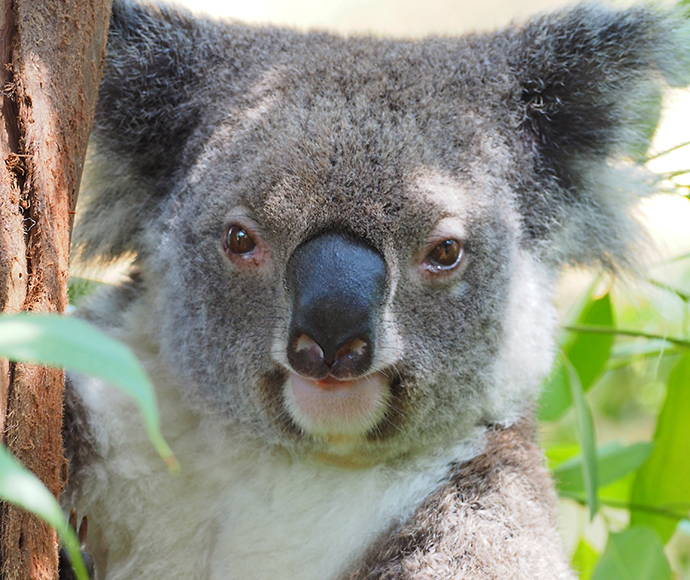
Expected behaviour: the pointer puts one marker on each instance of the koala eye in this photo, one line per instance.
(446, 255)
(238, 241)
(244, 246)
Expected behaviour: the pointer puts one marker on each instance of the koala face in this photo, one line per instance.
(315, 290)
(351, 243)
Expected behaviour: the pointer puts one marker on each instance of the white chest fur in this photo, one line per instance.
(233, 513)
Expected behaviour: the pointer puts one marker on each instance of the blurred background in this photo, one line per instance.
(390, 17)
(626, 392)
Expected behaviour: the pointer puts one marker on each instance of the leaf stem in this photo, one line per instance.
(684, 296)
(620, 504)
(626, 332)
(667, 151)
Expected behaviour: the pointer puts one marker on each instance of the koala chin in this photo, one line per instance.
(344, 253)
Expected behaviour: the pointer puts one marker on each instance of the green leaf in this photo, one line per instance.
(585, 432)
(635, 554)
(80, 288)
(555, 398)
(587, 353)
(664, 480)
(584, 560)
(619, 491)
(556, 455)
(613, 463)
(22, 488)
(59, 341)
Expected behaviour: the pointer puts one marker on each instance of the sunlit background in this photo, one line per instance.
(389, 17)
(668, 217)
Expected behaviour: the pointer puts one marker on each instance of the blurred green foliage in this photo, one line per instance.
(22, 488)
(628, 367)
(59, 341)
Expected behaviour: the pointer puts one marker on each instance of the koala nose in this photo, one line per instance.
(337, 285)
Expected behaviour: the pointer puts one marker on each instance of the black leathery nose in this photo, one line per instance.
(337, 285)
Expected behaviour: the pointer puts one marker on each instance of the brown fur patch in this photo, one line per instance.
(493, 519)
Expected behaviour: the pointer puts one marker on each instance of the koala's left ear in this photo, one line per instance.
(149, 103)
(590, 82)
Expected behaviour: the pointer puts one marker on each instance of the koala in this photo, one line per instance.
(344, 251)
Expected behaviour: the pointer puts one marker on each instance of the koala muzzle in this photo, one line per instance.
(337, 285)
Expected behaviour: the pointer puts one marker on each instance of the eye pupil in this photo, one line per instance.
(238, 241)
(445, 255)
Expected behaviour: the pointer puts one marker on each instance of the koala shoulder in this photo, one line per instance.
(494, 518)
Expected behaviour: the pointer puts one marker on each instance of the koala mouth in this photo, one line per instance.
(341, 412)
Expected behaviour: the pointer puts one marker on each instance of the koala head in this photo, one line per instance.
(350, 243)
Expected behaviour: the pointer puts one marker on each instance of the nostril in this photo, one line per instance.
(354, 348)
(352, 359)
(305, 343)
(307, 357)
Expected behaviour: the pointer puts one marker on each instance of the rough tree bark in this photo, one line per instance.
(52, 53)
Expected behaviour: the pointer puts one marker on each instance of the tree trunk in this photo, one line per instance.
(52, 53)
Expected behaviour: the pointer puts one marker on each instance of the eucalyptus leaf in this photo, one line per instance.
(22, 488)
(614, 462)
(585, 431)
(556, 397)
(557, 455)
(619, 491)
(59, 341)
(664, 480)
(584, 560)
(586, 353)
(635, 554)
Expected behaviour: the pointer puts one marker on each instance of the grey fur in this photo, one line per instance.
(524, 135)
(503, 494)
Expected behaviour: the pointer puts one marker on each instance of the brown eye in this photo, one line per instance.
(238, 241)
(445, 255)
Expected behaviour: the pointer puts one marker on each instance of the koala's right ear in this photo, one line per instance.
(591, 80)
(149, 104)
